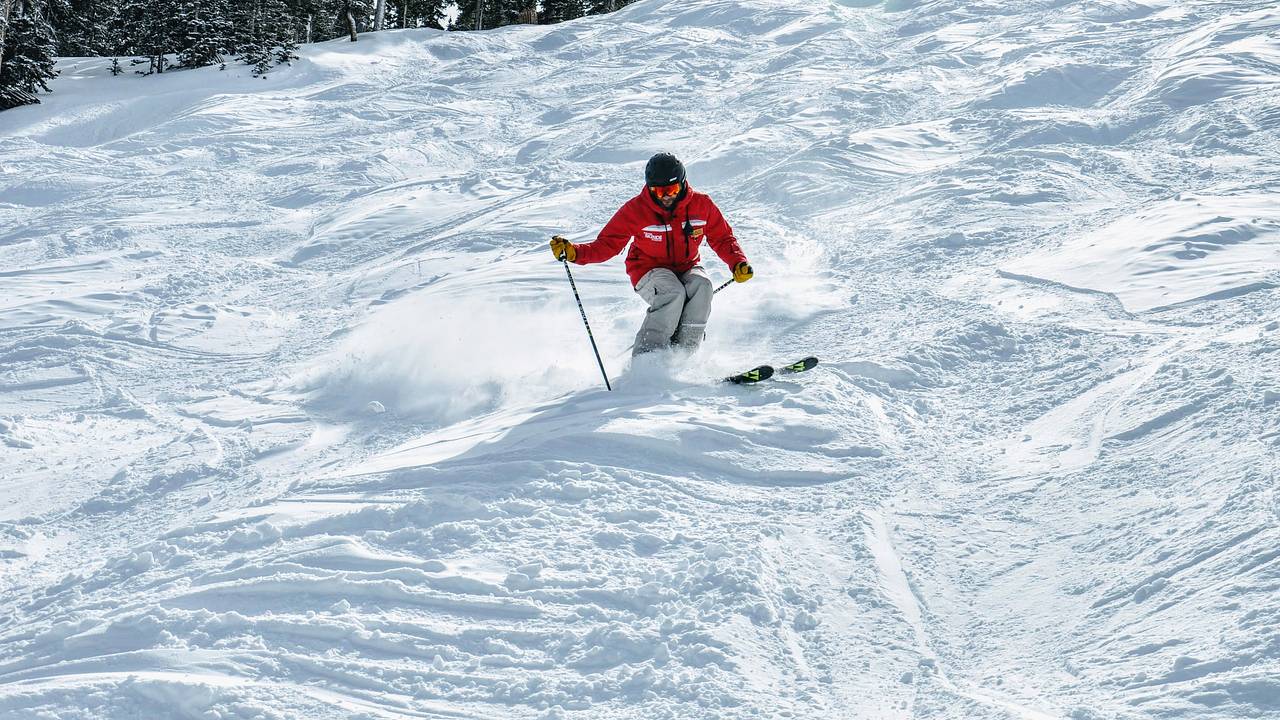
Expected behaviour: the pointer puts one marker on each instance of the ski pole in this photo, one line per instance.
(594, 349)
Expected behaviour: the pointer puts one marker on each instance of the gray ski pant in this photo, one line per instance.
(679, 306)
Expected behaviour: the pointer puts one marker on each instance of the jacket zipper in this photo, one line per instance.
(686, 228)
(671, 250)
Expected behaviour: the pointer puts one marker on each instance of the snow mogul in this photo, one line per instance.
(665, 224)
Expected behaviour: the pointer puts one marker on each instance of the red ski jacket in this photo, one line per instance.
(662, 238)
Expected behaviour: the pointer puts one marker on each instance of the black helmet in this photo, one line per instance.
(663, 169)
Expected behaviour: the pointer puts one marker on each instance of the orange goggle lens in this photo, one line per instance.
(665, 191)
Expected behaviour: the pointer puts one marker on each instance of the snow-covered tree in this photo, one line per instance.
(27, 54)
(151, 29)
(286, 47)
(554, 11)
(304, 14)
(416, 13)
(206, 27)
(265, 33)
(6, 6)
(79, 26)
(319, 20)
(87, 28)
(599, 7)
(493, 13)
(335, 18)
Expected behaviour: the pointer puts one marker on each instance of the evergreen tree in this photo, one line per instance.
(509, 11)
(6, 7)
(111, 36)
(265, 33)
(466, 19)
(151, 28)
(554, 11)
(27, 58)
(251, 35)
(600, 7)
(320, 20)
(416, 13)
(282, 30)
(82, 26)
(493, 13)
(310, 19)
(287, 48)
(206, 28)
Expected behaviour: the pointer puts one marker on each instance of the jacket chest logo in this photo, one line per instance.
(659, 233)
(656, 233)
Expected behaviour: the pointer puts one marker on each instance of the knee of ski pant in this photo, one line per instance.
(658, 282)
(662, 294)
(697, 285)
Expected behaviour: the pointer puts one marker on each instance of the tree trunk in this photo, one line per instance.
(309, 16)
(351, 23)
(379, 13)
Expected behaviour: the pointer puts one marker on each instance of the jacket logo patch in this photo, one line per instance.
(656, 237)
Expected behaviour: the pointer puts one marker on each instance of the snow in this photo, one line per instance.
(1154, 257)
(298, 417)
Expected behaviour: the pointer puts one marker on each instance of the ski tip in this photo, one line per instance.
(754, 375)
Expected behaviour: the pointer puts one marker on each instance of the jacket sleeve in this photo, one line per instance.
(612, 238)
(720, 237)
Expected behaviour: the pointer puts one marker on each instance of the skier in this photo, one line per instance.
(665, 224)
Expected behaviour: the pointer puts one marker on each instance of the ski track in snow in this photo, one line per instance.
(1034, 243)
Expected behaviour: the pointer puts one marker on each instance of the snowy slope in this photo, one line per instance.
(1036, 245)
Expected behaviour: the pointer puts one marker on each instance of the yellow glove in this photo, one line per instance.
(742, 272)
(562, 248)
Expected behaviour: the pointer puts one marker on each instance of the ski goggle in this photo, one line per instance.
(662, 192)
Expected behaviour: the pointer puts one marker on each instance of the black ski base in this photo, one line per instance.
(764, 372)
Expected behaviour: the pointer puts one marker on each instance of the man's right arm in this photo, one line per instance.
(612, 239)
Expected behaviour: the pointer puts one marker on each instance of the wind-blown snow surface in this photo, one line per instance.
(1035, 244)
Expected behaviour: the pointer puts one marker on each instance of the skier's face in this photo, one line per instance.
(667, 194)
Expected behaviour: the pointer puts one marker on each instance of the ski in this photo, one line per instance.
(764, 372)
(808, 363)
(754, 375)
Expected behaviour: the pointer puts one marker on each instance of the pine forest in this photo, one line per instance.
(157, 36)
